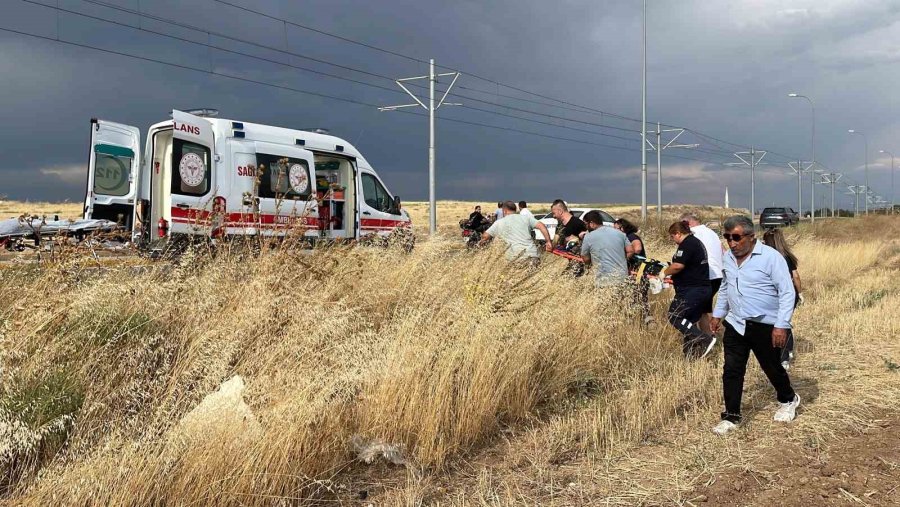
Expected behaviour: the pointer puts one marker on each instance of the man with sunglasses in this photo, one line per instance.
(757, 302)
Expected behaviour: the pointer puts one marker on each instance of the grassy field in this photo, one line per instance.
(12, 209)
(273, 378)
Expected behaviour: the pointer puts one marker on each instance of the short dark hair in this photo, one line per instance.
(478, 206)
(500, 204)
(593, 217)
(679, 228)
(627, 227)
(562, 203)
(523, 204)
(511, 206)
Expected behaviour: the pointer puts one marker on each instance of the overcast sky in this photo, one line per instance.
(721, 68)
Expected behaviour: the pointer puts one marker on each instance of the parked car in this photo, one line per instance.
(774, 217)
(551, 222)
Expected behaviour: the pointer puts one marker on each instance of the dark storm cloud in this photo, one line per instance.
(721, 68)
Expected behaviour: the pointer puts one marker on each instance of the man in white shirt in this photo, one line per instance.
(714, 252)
(515, 230)
(523, 209)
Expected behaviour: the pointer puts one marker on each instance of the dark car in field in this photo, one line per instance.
(775, 217)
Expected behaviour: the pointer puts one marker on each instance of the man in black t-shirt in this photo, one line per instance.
(476, 218)
(690, 275)
(569, 229)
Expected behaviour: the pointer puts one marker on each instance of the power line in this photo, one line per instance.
(538, 134)
(297, 90)
(187, 67)
(629, 139)
(415, 59)
(720, 153)
(213, 46)
(208, 32)
(308, 92)
(323, 32)
(307, 69)
(581, 109)
(586, 109)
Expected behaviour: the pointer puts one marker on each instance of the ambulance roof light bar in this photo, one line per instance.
(205, 112)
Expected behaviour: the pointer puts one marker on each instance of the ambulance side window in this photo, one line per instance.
(283, 177)
(192, 169)
(375, 194)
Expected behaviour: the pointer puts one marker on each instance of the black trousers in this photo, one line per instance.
(684, 313)
(758, 338)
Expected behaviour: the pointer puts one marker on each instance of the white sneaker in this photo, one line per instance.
(648, 320)
(786, 365)
(724, 427)
(788, 411)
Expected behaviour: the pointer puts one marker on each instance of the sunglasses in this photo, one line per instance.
(735, 237)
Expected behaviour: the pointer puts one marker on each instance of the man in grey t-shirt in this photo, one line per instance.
(515, 231)
(608, 249)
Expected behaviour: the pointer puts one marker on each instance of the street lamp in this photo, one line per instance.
(892, 178)
(867, 164)
(812, 176)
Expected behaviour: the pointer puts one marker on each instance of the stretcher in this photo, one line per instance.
(15, 232)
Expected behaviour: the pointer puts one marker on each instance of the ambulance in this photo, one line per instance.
(202, 176)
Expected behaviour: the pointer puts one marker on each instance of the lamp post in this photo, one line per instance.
(892, 178)
(812, 175)
(644, 116)
(852, 131)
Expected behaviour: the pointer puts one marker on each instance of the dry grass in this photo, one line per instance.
(494, 383)
(12, 209)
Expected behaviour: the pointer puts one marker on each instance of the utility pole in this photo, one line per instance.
(831, 179)
(812, 176)
(756, 157)
(659, 147)
(866, 139)
(799, 169)
(856, 191)
(644, 118)
(431, 108)
(892, 178)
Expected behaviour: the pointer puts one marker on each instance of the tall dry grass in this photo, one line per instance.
(442, 353)
(434, 351)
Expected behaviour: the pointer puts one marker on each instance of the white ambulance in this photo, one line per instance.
(204, 176)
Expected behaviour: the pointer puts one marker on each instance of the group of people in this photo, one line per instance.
(750, 287)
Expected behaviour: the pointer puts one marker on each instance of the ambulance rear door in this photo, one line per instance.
(112, 171)
(193, 182)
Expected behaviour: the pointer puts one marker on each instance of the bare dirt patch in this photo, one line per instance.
(862, 469)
